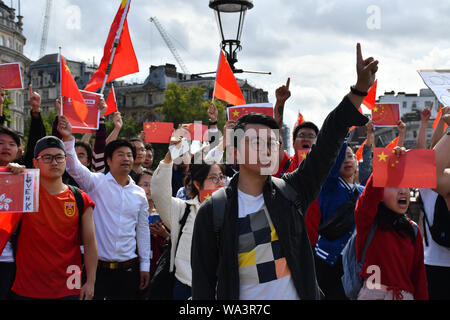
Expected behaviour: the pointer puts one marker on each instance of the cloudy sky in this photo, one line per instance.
(311, 41)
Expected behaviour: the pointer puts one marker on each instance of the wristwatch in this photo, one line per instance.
(211, 123)
(357, 92)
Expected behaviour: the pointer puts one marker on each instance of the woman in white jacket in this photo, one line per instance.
(199, 177)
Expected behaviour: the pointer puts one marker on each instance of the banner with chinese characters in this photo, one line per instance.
(19, 192)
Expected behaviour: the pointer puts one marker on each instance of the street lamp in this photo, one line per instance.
(229, 14)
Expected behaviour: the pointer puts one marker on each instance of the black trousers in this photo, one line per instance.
(329, 279)
(7, 276)
(438, 282)
(118, 284)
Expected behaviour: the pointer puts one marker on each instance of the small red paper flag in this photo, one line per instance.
(206, 194)
(90, 124)
(414, 169)
(69, 89)
(369, 100)
(158, 132)
(438, 117)
(301, 155)
(300, 119)
(124, 60)
(226, 87)
(10, 76)
(385, 115)
(197, 131)
(234, 113)
(359, 153)
(111, 102)
(392, 144)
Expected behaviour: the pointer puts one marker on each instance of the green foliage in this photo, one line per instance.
(183, 105)
(5, 107)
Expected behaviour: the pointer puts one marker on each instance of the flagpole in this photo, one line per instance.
(217, 69)
(115, 44)
(60, 82)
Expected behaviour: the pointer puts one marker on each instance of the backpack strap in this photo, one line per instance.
(287, 191)
(368, 240)
(218, 203)
(183, 220)
(80, 205)
(286, 166)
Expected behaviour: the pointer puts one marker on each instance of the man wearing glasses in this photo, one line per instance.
(48, 247)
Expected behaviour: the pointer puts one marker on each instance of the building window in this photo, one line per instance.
(405, 104)
(9, 43)
(414, 105)
(150, 99)
(415, 134)
(133, 101)
(2, 41)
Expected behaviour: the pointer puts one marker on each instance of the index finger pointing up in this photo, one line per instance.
(288, 82)
(359, 58)
(30, 90)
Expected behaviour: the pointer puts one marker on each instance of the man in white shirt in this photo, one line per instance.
(120, 216)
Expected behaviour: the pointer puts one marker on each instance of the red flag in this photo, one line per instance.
(369, 100)
(301, 155)
(359, 153)
(392, 144)
(111, 102)
(10, 76)
(385, 115)
(124, 60)
(414, 169)
(197, 131)
(158, 132)
(206, 194)
(235, 113)
(438, 117)
(300, 119)
(69, 89)
(226, 87)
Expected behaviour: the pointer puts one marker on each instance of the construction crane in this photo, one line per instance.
(48, 9)
(169, 44)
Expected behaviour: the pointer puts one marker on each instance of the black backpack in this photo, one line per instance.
(80, 205)
(440, 229)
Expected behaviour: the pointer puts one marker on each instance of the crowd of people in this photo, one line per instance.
(107, 221)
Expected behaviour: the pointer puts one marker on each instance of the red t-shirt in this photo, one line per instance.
(48, 244)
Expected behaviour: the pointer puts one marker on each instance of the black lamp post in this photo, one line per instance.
(229, 14)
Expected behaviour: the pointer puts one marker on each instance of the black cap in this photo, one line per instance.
(48, 142)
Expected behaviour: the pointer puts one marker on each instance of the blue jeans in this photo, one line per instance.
(181, 291)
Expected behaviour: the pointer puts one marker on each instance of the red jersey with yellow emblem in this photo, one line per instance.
(48, 245)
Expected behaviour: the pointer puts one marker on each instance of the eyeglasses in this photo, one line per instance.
(306, 136)
(260, 144)
(48, 158)
(217, 179)
(146, 185)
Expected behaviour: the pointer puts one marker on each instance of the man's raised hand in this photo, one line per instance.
(64, 128)
(283, 93)
(34, 98)
(366, 70)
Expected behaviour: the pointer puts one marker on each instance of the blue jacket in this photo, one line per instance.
(335, 191)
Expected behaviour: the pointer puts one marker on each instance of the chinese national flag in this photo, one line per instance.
(111, 102)
(124, 61)
(226, 87)
(206, 194)
(234, 113)
(300, 119)
(301, 155)
(414, 169)
(392, 144)
(8, 223)
(10, 76)
(158, 132)
(69, 89)
(197, 131)
(369, 100)
(385, 115)
(359, 153)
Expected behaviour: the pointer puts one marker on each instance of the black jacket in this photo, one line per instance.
(212, 266)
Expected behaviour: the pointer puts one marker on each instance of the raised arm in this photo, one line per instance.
(312, 172)
(117, 126)
(422, 135)
(281, 94)
(98, 154)
(442, 150)
(37, 128)
(401, 126)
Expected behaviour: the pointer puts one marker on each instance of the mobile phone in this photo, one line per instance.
(154, 219)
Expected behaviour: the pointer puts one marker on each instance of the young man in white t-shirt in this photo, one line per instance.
(262, 249)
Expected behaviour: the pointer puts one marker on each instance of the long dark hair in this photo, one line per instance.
(198, 172)
(390, 220)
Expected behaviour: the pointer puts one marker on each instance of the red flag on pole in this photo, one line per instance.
(158, 132)
(385, 115)
(226, 87)
(117, 61)
(69, 89)
(392, 144)
(414, 169)
(111, 102)
(438, 117)
(359, 153)
(300, 119)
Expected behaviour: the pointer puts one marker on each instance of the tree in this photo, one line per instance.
(5, 107)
